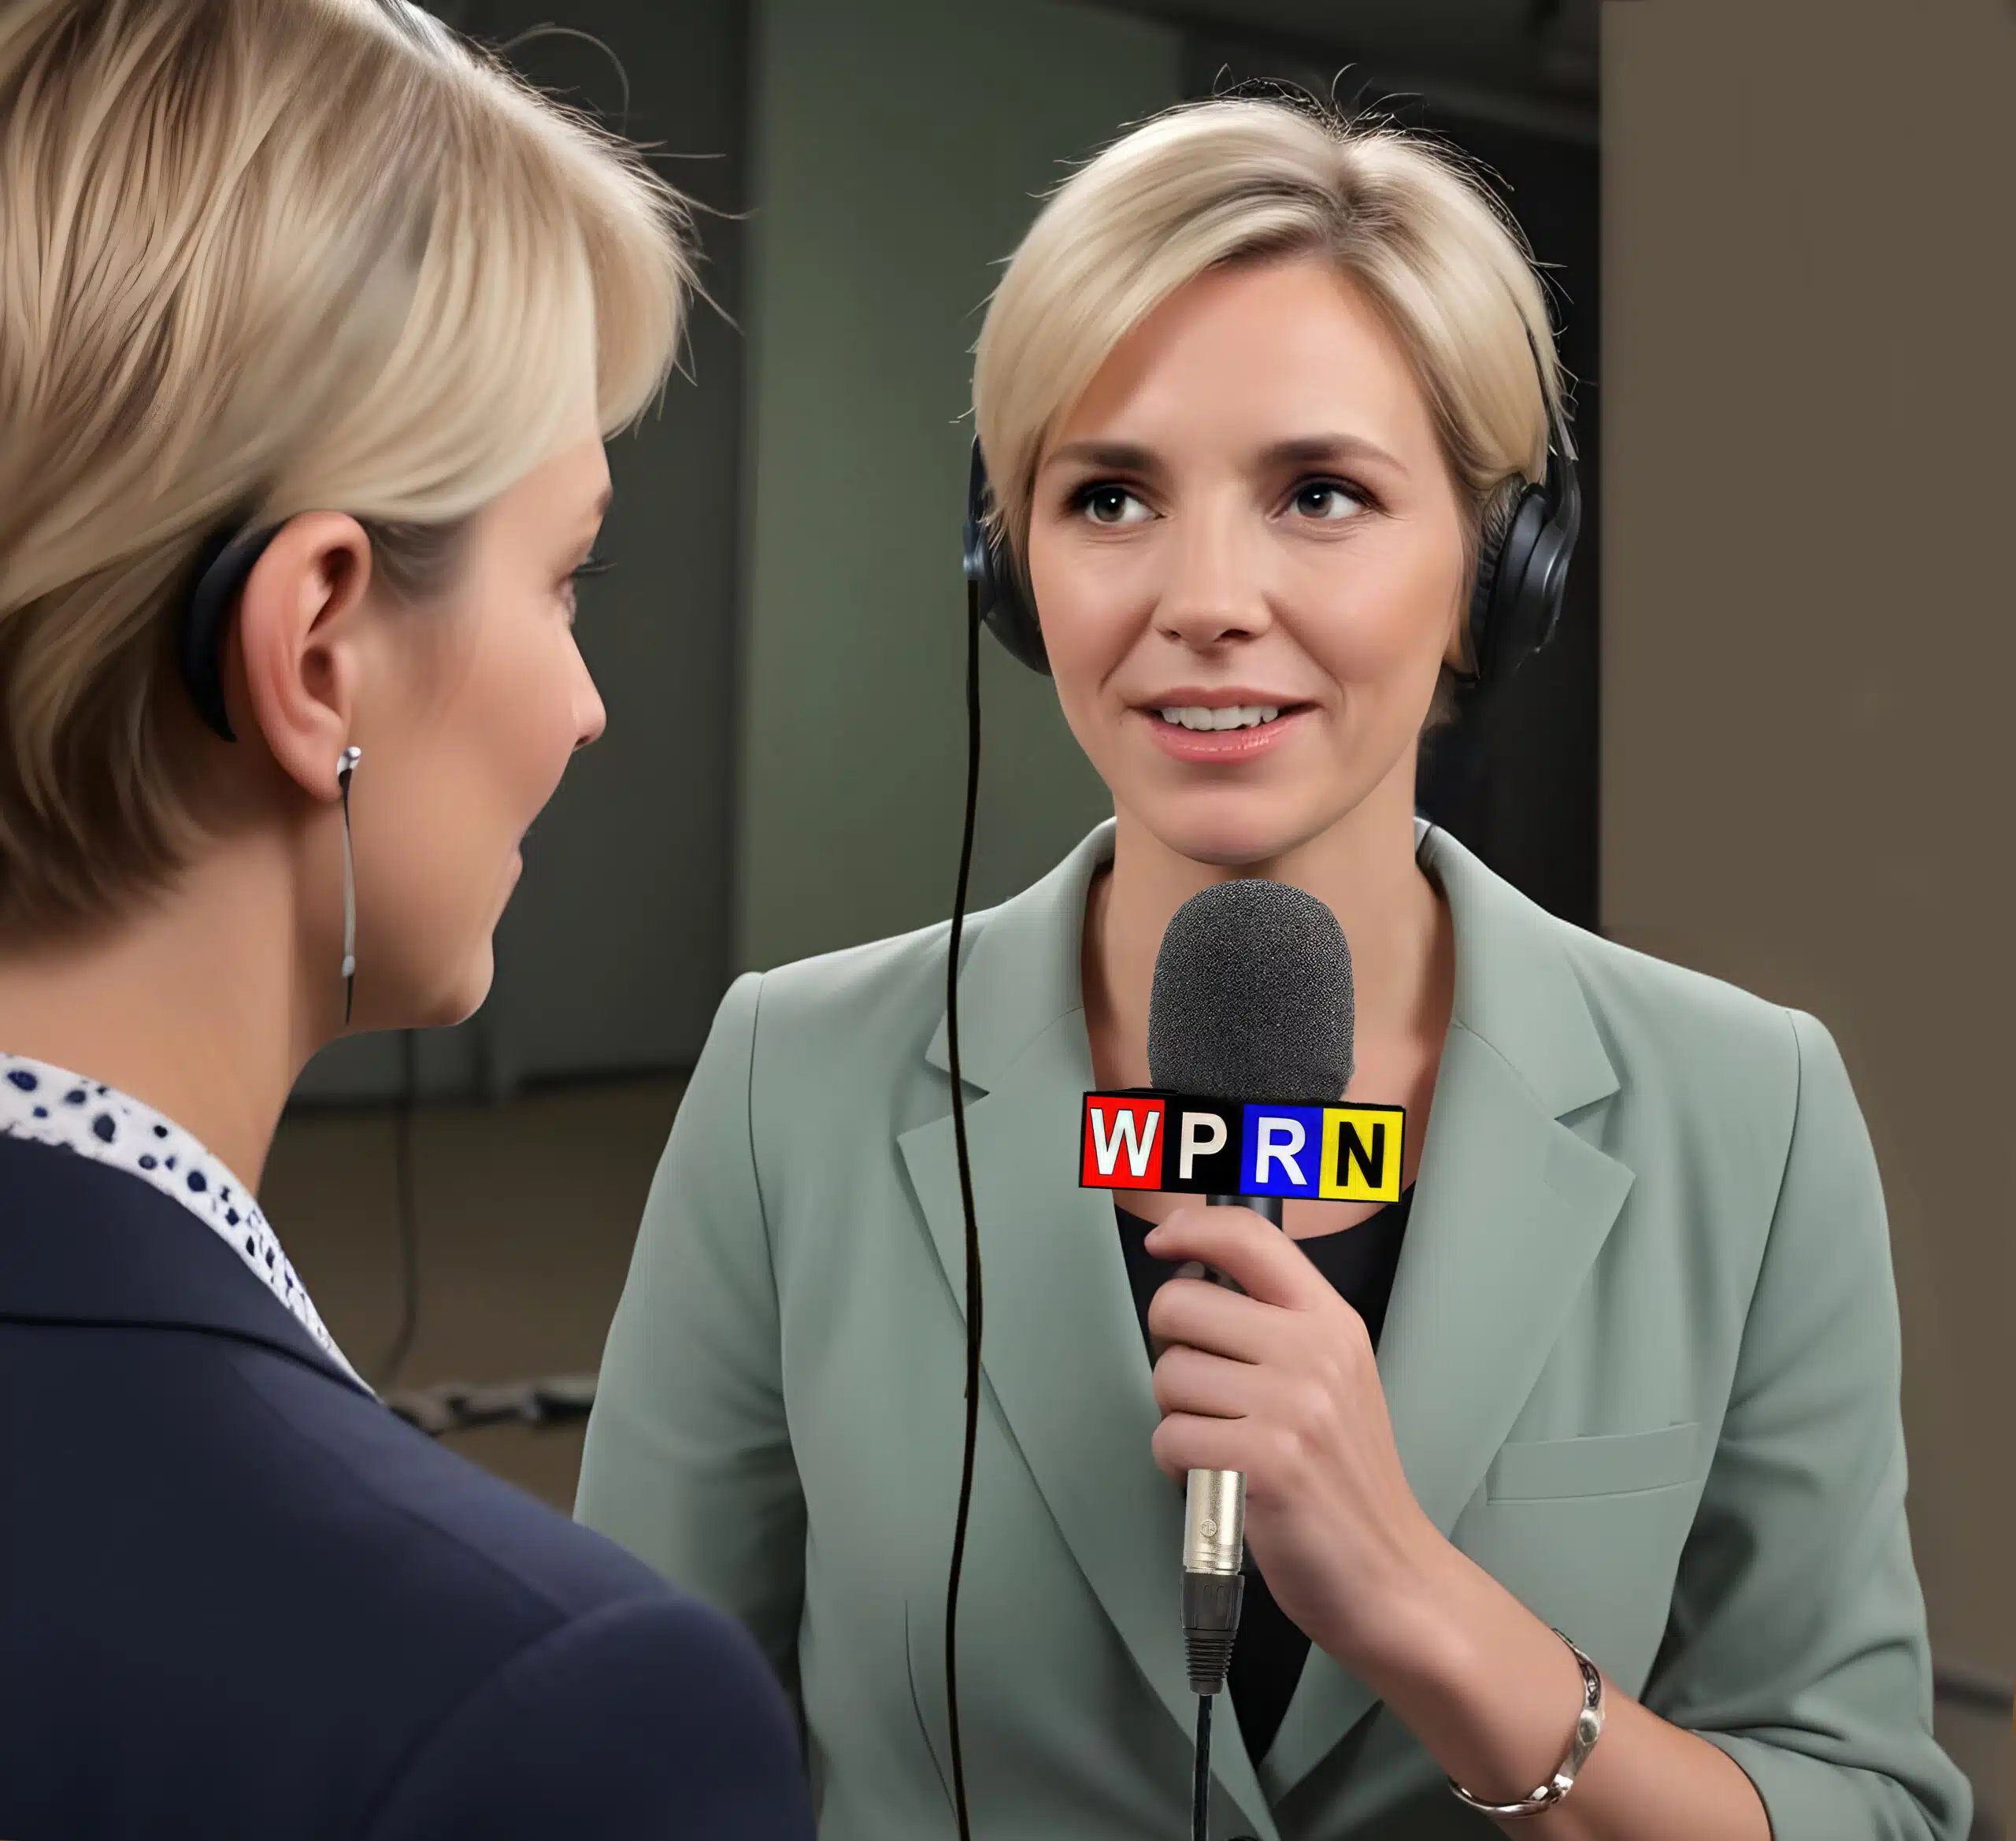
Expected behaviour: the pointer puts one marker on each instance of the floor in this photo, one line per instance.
(527, 1212)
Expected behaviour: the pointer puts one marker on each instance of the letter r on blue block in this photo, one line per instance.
(1282, 1150)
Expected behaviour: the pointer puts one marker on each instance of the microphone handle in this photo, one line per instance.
(1214, 1501)
(1214, 1532)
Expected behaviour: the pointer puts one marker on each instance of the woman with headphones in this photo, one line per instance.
(1575, 1477)
(314, 321)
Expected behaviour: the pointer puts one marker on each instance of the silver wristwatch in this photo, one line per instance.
(1588, 1729)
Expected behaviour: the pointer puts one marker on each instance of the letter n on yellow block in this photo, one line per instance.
(1362, 1147)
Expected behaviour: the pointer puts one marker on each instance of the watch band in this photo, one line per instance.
(1588, 1729)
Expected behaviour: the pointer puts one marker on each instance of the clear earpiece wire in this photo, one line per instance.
(346, 766)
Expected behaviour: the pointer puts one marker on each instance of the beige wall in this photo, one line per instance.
(1809, 630)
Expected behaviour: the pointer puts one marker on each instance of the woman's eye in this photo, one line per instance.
(1111, 505)
(595, 565)
(1328, 500)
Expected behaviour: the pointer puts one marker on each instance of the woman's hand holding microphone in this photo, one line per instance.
(1281, 1383)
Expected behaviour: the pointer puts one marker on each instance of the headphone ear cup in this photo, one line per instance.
(223, 567)
(1501, 566)
(1004, 603)
(1011, 618)
(1544, 588)
(1515, 616)
(1515, 604)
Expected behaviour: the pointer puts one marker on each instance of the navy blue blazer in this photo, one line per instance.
(241, 1600)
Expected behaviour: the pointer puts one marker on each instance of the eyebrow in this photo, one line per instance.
(1314, 449)
(1123, 457)
(1130, 457)
(602, 504)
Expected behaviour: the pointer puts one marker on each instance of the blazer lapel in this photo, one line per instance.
(1061, 1355)
(1510, 1207)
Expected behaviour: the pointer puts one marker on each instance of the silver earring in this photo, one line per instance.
(346, 766)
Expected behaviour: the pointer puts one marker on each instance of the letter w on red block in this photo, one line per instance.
(1122, 1145)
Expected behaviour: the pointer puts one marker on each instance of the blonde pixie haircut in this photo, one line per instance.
(258, 257)
(1209, 184)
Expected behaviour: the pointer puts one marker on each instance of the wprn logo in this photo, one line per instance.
(1142, 1138)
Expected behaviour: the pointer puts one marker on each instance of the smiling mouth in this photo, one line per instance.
(1204, 720)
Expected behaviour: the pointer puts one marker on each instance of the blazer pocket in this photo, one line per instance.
(1614, 1464)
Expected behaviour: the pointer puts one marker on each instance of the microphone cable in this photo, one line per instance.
(1200, 1794)
(966, 1202)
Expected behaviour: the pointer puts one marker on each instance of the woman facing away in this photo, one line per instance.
(1603, 1413)
(317, 273)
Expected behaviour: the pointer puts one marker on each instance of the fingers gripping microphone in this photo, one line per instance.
(1252, 998)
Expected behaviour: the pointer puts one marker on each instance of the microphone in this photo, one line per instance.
(1252, 996)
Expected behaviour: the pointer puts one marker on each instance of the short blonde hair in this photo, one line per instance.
(1209, 184)
(258, 258)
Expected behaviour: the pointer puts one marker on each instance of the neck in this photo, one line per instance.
(1363, 868)
(194, 1006)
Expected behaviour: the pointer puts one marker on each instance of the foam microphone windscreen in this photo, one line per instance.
(1252, 997)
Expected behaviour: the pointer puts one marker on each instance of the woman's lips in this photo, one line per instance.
(1220, 744)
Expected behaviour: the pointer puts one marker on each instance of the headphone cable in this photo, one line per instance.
(1201, 1792)
(967, 1201)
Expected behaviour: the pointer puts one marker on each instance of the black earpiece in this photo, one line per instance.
(1515, 603)
(221, 572)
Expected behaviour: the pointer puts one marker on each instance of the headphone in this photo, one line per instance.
(1515, 601)
(228, 554)
(221, 567)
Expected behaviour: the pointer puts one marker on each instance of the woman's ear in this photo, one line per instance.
(299, 632)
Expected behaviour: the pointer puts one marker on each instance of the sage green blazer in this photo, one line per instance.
(1641, 1355)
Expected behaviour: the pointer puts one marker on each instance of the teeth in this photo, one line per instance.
(1239, 716)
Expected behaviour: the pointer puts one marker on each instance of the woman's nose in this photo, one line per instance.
(591, 717)
(1213, 591)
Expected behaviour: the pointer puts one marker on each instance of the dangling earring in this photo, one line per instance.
(346, 766)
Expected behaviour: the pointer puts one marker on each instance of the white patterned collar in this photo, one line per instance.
(50, 1106)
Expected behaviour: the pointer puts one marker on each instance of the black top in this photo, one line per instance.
(252, 1602)
(1360, 1260)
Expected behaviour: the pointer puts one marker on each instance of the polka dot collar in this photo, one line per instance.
(50, 1105)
